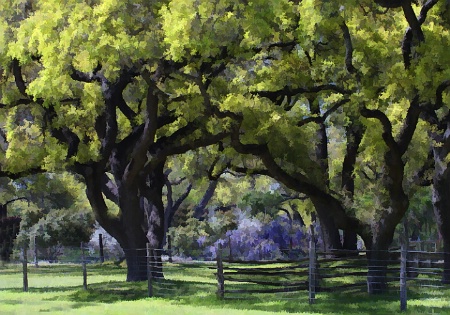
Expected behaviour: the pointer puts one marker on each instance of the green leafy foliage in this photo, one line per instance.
(260, 202)
(56, 212)
(62, 227)
(292, 79)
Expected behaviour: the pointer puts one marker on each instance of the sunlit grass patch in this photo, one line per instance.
(188, 288)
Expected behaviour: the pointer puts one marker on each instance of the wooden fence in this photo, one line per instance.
(318, 272)
(327, 272)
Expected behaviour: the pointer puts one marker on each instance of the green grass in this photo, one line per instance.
(188, 289)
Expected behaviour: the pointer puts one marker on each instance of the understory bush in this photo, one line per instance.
(247, 237)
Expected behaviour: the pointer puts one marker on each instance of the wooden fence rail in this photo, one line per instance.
(321, 271)
(316, 273)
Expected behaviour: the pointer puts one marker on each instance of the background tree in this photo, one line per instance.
(9, 228)
(56, 212)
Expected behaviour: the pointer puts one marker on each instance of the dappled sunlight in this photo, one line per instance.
(187, 289)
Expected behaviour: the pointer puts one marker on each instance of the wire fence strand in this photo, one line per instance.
(332, 276)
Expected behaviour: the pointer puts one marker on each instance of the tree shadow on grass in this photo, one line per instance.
(202, 293)
(354, 301)
(42, 289)
(110, 292)
(197, 293)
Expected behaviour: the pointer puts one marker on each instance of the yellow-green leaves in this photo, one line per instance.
(192, 27)
(25, 141)
(203, 27)
(310, 18)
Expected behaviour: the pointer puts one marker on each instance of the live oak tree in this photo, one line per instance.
(203, 26)
(425, 54)
(315, 60)
(111, 89)
(89, 87)
(437, 115)
(392, 95)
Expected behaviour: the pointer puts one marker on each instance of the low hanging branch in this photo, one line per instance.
(439, 91)
(414, 30)
(348, 49)
(172, 207)
(214, 175)
(278, 96)
(4, 207)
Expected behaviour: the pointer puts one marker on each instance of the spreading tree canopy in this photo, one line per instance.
(327, 96)
(89, 86)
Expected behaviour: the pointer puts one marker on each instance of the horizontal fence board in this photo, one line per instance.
(339, 275)
(257, 268)
(342, 253)
(269, 283)
(278, 290)
(342, 286)
(264, 262)
(268, 273)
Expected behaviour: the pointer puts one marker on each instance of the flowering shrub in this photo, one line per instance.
(249, 238)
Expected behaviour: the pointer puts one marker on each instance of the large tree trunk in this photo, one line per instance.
(441, 205)
(330, 232)
(136, 255)
(133, 233)
(446, 273)
(153, 206)
(138, 222)
(350, 241)
(378, 256)
(377, 261)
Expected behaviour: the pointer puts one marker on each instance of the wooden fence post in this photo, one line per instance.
(169, 248)
(403, 265)
(312, 268)
(230, 254)
(403, 297)
(25, 268)
(220, 276)
(83, 264)
(35, 253)
(149, 271)
(100, 243)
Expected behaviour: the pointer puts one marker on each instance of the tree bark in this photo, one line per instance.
(135, 256)
(135, 217)
(382, 235)
(350, 241)
(199, 210)
(153, 207)
(441, 206)
(446, 273)
(330, 233)
(377, 261)
(135, 246)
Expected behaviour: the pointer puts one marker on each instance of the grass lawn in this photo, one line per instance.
(188, 289)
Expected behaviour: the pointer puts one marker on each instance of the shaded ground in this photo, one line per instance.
(188, 289)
